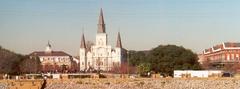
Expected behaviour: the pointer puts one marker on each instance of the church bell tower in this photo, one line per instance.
(101, 37)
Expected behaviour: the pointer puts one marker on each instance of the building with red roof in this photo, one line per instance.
(227, 52)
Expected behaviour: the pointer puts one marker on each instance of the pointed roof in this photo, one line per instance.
(48, 48)
(49, 45)
(119, 42)
(101, 24)
(83, 45)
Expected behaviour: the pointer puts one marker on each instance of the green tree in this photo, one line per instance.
(9, 61)
(30, 65)
(167, 58)
(137, 57)
(143, 69)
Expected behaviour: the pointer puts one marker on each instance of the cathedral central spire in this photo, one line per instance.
(101, 24)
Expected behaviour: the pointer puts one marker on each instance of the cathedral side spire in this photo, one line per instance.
(119, 42)
(83, 45)
(101, 24)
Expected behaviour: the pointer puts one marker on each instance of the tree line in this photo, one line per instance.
(162, 59)
(13, 63)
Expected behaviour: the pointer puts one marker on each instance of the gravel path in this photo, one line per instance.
(3, 86)
(148, 84)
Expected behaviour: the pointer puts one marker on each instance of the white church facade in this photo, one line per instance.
(101, 55)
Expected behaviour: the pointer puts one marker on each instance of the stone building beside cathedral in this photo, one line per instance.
(55, 61)
(101, 56)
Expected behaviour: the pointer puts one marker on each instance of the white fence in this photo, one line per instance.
(197, 73)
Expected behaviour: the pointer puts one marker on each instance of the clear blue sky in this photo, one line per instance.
(27, 25)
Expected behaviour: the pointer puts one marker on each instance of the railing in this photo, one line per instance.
(225, 61)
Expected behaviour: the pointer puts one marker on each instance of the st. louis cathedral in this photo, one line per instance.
(101, 56)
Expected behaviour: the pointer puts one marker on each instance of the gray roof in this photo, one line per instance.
(119, 42)
(53, 53)
(83, 44)
(231, 44)
(101, 24)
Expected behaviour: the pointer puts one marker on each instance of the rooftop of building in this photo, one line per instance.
(53, 53)
(224, 45)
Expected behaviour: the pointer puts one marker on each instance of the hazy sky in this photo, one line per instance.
(27, 25)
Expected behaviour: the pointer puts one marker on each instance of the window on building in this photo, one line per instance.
(118, 63)
(228, 57)
(232, 58)
(82, 63)
(223, 56)
(237, 56)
